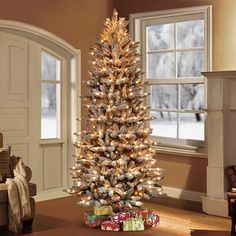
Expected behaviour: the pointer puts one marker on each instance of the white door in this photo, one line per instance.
(33, 108)
(14, 93)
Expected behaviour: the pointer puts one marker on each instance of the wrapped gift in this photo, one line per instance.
(93, 220)
(150, 219)
(133, 224)
(118, 207)
(145, 213)
(103, 210)
(110, 226)
(121, 216)
(152, 222)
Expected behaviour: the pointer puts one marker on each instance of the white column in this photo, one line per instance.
(221, 138)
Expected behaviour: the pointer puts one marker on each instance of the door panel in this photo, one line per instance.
(14, 99)
(14, 121)
(20, 111)
(52, 161)
(15, 69)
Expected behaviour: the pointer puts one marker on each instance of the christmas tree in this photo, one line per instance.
(114, 157)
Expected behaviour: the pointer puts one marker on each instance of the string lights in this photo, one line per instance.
(114, 156)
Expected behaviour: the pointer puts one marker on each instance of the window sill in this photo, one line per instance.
(181, 151)
(52, 141)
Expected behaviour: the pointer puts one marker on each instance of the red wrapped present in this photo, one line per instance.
(93, 220)
(121, 207)
(121, 216)
(110, 226)
(145, 213)
(150, 219)
(152, 222)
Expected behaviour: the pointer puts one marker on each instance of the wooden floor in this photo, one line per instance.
(62, 217)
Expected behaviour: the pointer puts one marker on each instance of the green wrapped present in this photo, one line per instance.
(93, 220)
(103, 210)
(133, 224)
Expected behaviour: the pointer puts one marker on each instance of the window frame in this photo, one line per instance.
(138, 23)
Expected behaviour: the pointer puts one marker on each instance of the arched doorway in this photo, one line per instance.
(40, 86)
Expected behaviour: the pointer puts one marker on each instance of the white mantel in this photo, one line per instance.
(221, 138)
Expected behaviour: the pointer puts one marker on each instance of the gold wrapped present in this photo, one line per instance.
(133, 224)
(103, 210)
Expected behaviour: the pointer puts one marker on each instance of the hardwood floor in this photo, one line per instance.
(62, 217)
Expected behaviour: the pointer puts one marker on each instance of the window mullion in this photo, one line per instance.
(147, 100)
(164, 110)
(51, 81)
(197, 80)
(192, 111)
(178, 50)
(176, 76)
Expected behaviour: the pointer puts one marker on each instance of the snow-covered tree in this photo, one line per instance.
(114, 158)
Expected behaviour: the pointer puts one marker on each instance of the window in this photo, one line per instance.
(50, 96)
(175, 50)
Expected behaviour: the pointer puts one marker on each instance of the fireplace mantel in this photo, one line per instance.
(220, 138)
(229, 74)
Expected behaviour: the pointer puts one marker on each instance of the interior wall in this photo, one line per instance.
(76, 21)
(223, 32)
(79, 22)
(181, 172)
(184, 172)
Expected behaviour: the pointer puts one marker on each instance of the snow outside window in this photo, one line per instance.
(174, 49)
(50, 96)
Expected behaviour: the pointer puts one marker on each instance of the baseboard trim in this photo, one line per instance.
(214, 206)
(171, 192)
(183, 194)
(49, 195)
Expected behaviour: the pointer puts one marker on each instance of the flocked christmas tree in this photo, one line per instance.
(114, 157)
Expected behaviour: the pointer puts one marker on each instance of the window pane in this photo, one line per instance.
(50, 110)
(190, 34)
(190, 64)
(50, 67)
(192, 96)
(164, 96)
(165, 125)
(160, 65)
(160, 36)
(191, 126)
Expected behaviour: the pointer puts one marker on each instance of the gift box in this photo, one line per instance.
(150, 219)
(93, 220)
(110, 226)
(121, 216)
(118, 207)
(103, 210)
(145, 213)
(133, 224)
(152, 222)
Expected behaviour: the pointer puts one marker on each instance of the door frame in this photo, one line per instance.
(73, 57)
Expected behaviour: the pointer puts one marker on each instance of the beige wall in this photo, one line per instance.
(79, 23)
(224, 18)
(76, 21)
(183, 172)
(186, 172)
